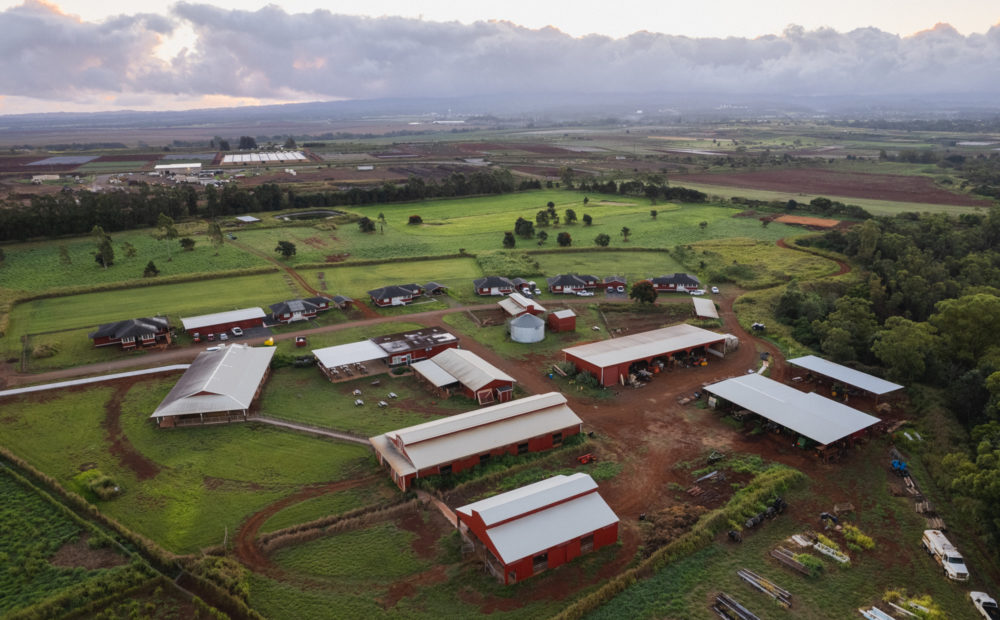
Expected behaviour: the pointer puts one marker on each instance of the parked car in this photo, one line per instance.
(715, 290)
(215, 348)
(621, 289)
(935, 543)
(211, 337)
(986, 605)
(223, 336)
(237, 331)
(585, 293)
(698, 291)
(538, 291)
(610, 290)
(196, 336)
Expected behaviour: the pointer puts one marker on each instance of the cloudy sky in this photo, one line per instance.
(87, 55)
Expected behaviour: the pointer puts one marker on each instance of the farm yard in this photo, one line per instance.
(314, 527)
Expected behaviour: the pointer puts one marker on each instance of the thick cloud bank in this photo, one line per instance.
(271, 54)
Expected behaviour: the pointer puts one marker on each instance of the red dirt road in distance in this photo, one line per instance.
(833, 183)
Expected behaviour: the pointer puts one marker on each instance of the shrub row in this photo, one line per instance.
(380, 261)
(275, 542)
(776, 479)
(88, 595)
(330, 520)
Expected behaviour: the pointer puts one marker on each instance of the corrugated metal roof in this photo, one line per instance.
(468, 368)
(439, 377)
(535, 532)
(351, 353)
(208, 320)
(852, 377)
(705, 308)
(476, 432)
(223, 380)
(820, 419)
(644, 345)
(563, 314)
(515, 303)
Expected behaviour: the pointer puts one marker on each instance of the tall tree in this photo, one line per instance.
(643, 292)
(215, 235)
(286, 249)
(904, 348)
(564, 239)
(626, 232)
(105, 255)
(508, 240)
(570, 216)
(602, 240)
(166, 231)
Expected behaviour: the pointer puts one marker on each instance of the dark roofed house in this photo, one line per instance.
(677, 282)
(298, 309)
(571, 283)
(132, 333)
(395, 295)
(493, 285)
(433, 288)
(521, 284)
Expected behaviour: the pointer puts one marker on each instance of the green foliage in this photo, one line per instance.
(587, 379)
(508, 264)
(287, 249)
(330, 505)
(858, 538)
(564, 239)
(827, 541)
(508, 240)
(813, 563)
(366, 225)
(643, 292)
(150, 271)
(602, 240)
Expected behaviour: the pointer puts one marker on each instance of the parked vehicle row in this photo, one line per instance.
(222, 336)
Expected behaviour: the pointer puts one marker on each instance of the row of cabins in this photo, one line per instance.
(148, 331)
(573, 284)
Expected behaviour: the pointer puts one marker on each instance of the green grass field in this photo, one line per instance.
(632, 265)
(210, 478)
(331, 504)
(355, 281)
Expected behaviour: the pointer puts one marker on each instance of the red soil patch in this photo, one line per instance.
(315, 242)
(801, 220)
(833, 183)
(79, 554)
(118, 443)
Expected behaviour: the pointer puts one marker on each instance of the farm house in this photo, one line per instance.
(807, 415)
(493, 285)
(218, 387)
(462, 441)
(221, 322)
(611, 361)
(538, 527)
(298, 309)
(132, 333)
(562, 321)
(517, 304)
(395, 295)
(571, 283)
(458, 370)
(682, 282)
(526, 329)
(848, 376)
(615, 284)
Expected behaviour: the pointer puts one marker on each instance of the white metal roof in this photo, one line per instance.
(643, 345)
(705, 307)
(208, 320)
(820, 419)
(176, 166)
(223, 380)
(351, 353)
(531, 527)
(515, 303)
(249, 219)
(471, 370)
(475, 432)
(563, 314)
(439, 377)
(856, 378)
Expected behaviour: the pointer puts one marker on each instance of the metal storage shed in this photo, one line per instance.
(854, 378)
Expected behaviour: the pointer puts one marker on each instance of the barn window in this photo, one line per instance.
(484, 458)
(446, 470)
(587, 544)
(522, 448)
(556, 439)
(540, 562)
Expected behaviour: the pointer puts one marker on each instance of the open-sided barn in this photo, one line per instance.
(611, 361)
(132, 333)
(464, 371)
(460, 442)
(810, 415)
(219, 386)
(537, 527)
(246, 318)
(848, 376)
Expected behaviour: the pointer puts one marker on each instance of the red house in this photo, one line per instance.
(221, 322)
(615, 284)
(395, 295)
(539, 526)
(571, 283)
(562, 321)
(612, 361)
(420, 344)
(133, 333)
(493, 285)
(458, 370)
(678, 282)
(460, 442)
(298, 309)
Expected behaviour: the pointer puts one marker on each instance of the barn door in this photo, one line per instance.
(484, 396)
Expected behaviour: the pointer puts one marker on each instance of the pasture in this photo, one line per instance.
(355, 280)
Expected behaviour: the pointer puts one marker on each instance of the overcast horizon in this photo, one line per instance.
(193, 55)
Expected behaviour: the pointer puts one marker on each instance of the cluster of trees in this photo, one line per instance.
(928, 313)
(652, 190)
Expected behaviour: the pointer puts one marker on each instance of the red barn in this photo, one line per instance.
(221, 322)
(562, 321)
(132, 333)
(539, 526)
(611, 361)
(458, 370)
(460, 442)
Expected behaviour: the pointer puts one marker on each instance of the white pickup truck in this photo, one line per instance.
(946, 555)
(986, 605)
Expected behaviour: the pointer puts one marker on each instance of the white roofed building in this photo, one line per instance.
(460, 442)
(854, 378)
(246, 318)
(464, 371)
(539, 526)
(219, 386)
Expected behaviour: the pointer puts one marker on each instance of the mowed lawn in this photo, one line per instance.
(210, 479)
(355, 281)
(173, 300)
(633, 265)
